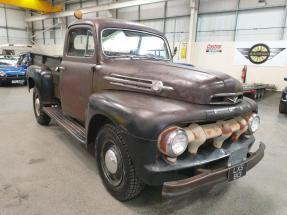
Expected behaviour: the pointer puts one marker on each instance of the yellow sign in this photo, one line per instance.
(183, 50)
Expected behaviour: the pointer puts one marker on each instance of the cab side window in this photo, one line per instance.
(81, 43)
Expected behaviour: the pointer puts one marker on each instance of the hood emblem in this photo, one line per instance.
(226, 98)
(233, 100)
(137, 83)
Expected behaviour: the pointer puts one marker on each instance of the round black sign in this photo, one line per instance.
(259, 53)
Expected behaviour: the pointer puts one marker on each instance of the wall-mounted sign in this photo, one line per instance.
(214, 48)
(183, 50)
(270, 53)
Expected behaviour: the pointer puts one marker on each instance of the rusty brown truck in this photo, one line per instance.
(147, 120)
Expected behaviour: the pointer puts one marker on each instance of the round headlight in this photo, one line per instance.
(173, 141)
(2, 73)
(253, 123)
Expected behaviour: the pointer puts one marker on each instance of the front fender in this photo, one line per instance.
(145, 116)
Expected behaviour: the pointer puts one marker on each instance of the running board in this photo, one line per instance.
(70, 125)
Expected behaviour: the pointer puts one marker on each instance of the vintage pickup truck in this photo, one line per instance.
(147, 120)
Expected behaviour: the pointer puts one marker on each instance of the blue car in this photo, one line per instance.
(15, 74)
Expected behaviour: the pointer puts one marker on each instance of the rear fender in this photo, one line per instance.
(41, 78)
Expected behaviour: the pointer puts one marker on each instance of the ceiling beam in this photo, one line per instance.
(94, 9)
(42, 6)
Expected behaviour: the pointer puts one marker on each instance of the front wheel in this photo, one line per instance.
(41, 117)
(115, 164)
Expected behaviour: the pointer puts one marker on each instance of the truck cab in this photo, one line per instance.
(146, 119)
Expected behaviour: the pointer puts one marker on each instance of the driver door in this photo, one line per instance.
(77, 67)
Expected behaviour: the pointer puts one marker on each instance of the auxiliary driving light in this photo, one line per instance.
(253, 123)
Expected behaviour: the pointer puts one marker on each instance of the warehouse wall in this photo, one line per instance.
(243, 20)
(172, 19)
(13, 28)
(224, 61)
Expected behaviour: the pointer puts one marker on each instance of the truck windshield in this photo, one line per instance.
(129, 43)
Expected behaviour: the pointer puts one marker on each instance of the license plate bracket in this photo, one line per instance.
(237, 171)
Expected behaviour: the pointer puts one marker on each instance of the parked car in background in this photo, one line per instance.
(283, 101)
(8, 60)
(15, 74)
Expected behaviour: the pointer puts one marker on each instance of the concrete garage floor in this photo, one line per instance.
(45, 171)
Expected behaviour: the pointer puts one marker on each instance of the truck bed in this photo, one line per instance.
(50, 61)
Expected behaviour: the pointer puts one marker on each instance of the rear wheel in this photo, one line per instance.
(115, 164)
(41, 117)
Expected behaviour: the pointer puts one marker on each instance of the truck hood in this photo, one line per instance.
(180, 82)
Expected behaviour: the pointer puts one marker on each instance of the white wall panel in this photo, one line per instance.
(39, 37)
(269, 20)
(2, 15)
(89, 4)
(259, 34)
(48, 23)
(15, 18)
(37, 25)
(178, 8)
(90, 15)
(18, 36)
(254, 3)
(222, 21)
(129, 13)
(152, 11)
(3, 37)
(217, 5)
(215, 36)
(60, 36)
(105, 14)
(156, 24)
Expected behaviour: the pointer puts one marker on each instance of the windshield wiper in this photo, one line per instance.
(149, 57)
(139, 57)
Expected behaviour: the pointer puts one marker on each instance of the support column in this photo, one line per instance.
(194, 4)
(6, 25)
(284, 22)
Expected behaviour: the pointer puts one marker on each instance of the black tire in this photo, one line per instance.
(123, 184)
(282, 108)
(41, 117)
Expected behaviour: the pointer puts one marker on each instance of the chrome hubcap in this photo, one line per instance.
(37, 106)
(111, 161)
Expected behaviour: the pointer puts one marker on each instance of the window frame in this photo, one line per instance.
(89, 29)
(145, 32)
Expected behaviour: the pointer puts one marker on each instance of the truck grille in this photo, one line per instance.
(215, 133)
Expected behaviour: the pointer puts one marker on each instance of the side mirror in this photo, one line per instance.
(285, 79)
(174, 51)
